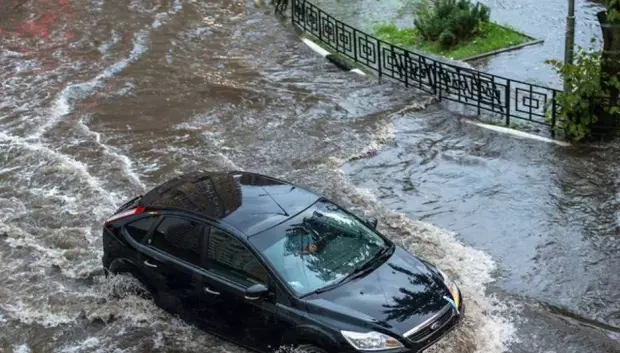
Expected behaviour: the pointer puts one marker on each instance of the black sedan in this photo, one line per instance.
(266, 264)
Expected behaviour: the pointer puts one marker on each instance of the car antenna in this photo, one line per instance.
(283, 210)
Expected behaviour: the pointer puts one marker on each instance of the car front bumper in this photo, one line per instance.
(420, 347)
(441, 333)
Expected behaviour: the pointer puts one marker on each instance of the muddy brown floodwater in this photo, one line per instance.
(101, 100)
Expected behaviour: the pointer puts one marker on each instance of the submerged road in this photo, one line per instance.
(102, 100)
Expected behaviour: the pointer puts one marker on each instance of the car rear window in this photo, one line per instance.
(138, 229)
(181, 238)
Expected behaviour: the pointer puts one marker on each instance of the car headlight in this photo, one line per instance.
(371, 341)
(452, 287)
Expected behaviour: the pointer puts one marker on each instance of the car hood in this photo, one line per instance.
(398, 296)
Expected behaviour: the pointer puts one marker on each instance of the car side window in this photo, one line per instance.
(179, 237)
(229, 258)
(138, 229)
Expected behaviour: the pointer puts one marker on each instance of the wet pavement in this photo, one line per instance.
(100, 101)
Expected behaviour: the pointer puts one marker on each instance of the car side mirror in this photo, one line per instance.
(256, 292)
(372, 222)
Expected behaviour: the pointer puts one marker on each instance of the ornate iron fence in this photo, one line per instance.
(280, 5)
(500, 96)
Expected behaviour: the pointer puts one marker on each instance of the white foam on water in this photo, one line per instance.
(43, 316)
(105, 46)
(126, 163)
(158, 341)
(12, 208)
(65, 161)
(8, 170)
(90, 343)
(163, 17)
(140, 6)
(160, 19)
(384, 135)
(11, 54)
(24, 348)
(97, 5)
(177, 6)
(123, 91)
(67, 98)
(47, 257)
(70, 202)
(151, 167)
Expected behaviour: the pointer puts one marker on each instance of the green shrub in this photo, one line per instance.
(447, 39)
(580, 102)
(450, 21)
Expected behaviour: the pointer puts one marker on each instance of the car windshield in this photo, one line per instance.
(320, 246)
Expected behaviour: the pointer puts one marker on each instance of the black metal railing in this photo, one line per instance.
(280, 6)
(500, 96)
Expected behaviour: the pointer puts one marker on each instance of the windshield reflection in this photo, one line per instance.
(321, 246)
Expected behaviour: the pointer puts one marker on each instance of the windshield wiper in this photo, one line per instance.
(370, 264)
(327, 287)
(333, 285)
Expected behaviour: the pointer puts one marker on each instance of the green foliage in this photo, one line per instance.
(583, 94)
(441, 20)
(447, 39)
(490, 37)
(613, 9)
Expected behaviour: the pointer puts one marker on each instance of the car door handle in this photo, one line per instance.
(211, 291)
(146, 262)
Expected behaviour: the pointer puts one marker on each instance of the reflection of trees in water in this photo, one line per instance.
(216, 195)
(340, 248)
(411, 303)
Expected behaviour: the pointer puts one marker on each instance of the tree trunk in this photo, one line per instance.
(606, 125)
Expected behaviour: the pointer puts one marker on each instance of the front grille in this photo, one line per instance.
(425, 330)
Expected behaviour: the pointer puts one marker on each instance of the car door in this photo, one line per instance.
(230, 269)
(169, 259)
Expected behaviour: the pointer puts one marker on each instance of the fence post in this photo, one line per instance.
(355, 45)
(318, 22)
(379, 57)
(479, 82)
(436, 78)
(406, 56)
(508, 103)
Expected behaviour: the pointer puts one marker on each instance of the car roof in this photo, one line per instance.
(247, 201)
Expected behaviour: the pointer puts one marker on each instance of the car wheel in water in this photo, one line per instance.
(308, 348)
(126, 283)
